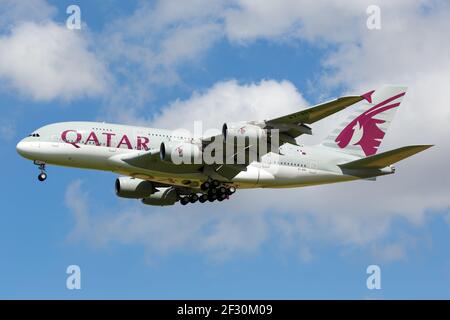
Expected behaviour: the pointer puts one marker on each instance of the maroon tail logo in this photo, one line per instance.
(370, 135)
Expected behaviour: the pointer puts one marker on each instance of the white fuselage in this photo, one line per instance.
(103, 146)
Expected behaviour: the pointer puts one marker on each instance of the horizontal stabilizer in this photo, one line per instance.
(385, 159)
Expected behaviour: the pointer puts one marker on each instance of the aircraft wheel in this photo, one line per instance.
(184, 201)
(211, 198)
(193, 198)
(231, 190)
(42, 176)
(222, 190)
(215, 183)
(222, 196)
(203, 198)
(205, 186)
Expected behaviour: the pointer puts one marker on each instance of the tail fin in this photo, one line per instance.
(382, 160)
(361, 134)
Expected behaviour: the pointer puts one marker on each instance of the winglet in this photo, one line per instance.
(368, 96)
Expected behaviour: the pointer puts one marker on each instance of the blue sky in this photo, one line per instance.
(147, 63)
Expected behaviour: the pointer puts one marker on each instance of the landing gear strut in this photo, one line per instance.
(42, 176)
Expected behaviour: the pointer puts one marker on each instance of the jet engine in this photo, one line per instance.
(162, 197)
(133, 188)
(180, 152)
(243, 133)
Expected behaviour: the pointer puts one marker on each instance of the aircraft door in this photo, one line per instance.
(54, 140)
(113, 144)
(313, 167)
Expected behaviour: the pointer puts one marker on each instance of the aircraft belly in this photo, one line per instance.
(248, 178)
(285, 176)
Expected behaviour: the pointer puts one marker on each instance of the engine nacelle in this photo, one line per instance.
(162, 197)
(133, 188)
(242, 133)
(180, 152)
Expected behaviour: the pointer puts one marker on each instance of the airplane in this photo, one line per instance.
(146, 158)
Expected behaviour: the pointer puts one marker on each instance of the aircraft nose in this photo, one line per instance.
(23, 148)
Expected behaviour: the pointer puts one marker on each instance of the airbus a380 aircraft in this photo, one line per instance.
(148, 159)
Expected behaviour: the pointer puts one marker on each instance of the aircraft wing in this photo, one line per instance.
(227, 171)
(142, 159)
(295, 124)
(290, 127)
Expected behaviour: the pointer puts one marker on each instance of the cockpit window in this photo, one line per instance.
(34, 135)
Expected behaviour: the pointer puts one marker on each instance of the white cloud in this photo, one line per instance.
(145, 49)
(188, 43)
(324, 20)
(165, 230)
(251, 19)
(158, 40)
(230, 101)
(76, 200)
(447, 218)
(47, 61)
(391, 252)
(7, 130)
(408, 50)
(16, 12)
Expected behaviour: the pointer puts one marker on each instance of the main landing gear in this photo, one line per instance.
(42, 176)
(212, 190)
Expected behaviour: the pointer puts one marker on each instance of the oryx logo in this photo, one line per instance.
(180, 151)
(364, 130)
(242, 130)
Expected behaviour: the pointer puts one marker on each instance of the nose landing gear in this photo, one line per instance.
(42, 176)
